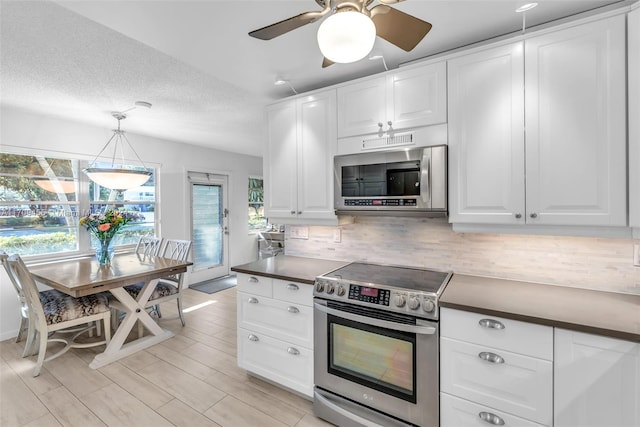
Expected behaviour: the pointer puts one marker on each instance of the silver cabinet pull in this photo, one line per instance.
(253, 300)
(253, 280)
(293, 212)
(518, 215)
(292, 309)
(292, 287)
(491, 324)
(293, 351)
(490, 418)
(253, 338)
(534, 215)
(490, 357)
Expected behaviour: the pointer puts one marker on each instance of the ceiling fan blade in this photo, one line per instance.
(326, 62)
(279, 28)
(399, 28)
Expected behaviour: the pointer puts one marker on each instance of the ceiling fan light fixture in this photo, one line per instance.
(525, 7)
(346, 37)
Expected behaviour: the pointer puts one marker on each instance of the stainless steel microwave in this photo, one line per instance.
(405, 183)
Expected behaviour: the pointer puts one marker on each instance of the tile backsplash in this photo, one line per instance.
(585, 262)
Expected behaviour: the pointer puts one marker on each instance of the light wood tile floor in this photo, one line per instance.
(189, 380)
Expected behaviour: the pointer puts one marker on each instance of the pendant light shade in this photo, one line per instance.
(346, 36)
(118, 177)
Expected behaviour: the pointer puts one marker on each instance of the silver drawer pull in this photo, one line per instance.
(491, 324)
(292, 287)
(490, 418)
(293, 351)
(253, 300)
(253, 338)
(292, 309)
(490, 357)
(253, 280)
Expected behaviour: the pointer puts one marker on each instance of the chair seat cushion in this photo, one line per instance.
(60, 307)
(163, 289)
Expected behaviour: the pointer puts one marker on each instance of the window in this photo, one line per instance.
(42, 199)
(257, 221)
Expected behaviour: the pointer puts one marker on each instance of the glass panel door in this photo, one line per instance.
(209, 231)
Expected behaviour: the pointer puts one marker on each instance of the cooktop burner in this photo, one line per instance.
(414, 279)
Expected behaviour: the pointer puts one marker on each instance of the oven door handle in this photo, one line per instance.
(415, 329)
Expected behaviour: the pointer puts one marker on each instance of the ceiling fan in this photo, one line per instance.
(348, 33)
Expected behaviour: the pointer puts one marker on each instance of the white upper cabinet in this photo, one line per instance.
(633, 28)
(298, 161)
(486, 136)
(567, 168)
(404, 99)
(575, 115)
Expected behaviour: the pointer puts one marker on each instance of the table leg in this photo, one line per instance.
(135, 311)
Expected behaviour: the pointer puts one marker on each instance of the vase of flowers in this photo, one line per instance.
(104, 226)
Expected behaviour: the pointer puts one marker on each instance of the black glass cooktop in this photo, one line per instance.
(415, 279)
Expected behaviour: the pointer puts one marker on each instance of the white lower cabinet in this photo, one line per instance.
(597, 381)
(275, 331)
(489, 363)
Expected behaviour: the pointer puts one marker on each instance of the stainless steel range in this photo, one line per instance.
(376, 345)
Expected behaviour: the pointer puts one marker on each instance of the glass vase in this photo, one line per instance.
(104, 254)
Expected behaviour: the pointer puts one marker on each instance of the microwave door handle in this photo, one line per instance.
(425, 177)
(415, 329)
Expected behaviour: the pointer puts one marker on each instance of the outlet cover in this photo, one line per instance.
(337, 235)
(636, 255)
(298, 232)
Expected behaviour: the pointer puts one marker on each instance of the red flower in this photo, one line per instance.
(104, 227)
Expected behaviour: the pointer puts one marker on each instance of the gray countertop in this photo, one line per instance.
(611, 314)
(297, 269)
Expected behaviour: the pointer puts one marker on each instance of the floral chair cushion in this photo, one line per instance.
(60, 307)
(163, 289)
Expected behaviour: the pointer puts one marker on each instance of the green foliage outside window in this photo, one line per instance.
(257, 221)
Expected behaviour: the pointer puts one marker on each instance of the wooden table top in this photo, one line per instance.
(83, 276)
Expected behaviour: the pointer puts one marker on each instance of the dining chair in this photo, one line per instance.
(53, 311)
(24, 309)
(168, 288)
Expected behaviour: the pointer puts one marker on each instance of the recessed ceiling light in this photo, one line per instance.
(526, 7)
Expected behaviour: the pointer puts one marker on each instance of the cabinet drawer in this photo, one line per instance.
(279, 319)
(517, 384)
(294, 292)
(497, 332)
(286, 364)
(257, 285)
(455, 412)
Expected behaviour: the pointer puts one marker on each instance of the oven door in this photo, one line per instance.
(387, 362)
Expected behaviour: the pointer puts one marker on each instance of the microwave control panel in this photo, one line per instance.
(380, 202)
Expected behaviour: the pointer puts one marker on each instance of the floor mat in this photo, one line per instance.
(213, 286)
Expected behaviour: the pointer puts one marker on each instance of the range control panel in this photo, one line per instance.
(370, 295)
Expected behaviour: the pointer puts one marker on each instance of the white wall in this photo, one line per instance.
(28, 133)
(584, 262)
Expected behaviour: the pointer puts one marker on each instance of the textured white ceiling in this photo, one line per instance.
(207, 79)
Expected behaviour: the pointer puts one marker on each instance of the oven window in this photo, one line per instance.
(375, 357)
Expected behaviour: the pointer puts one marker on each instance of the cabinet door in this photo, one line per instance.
(596, 381)
(633, 28)
(317, 144)
(418, 97)
(280, 173)
(361, 106)
(576, 121)
(486, 136)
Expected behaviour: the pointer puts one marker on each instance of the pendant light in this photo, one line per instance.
(117, 177)
(346, 36)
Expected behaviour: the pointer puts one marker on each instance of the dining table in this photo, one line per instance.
(84, 276)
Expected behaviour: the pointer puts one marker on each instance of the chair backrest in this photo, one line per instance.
(24, 309)
(178, 250)
(23, 279)
(148, 246)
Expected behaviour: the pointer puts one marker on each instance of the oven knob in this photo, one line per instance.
(400, 300)
(414, 302)
(330, 288)
(319, 286)
(341, 291)
(428, 306)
